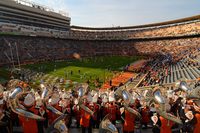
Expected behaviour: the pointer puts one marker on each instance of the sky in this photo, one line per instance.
(109, 13)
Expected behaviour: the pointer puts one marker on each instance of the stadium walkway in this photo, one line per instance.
(116, 81)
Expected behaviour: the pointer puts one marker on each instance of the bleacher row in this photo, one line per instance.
(171, 71)
(182, 70)
(171, 30)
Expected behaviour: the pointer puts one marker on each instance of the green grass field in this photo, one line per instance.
(85, 69)
(102, 68)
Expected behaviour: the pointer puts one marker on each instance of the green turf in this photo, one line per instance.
(90, 68)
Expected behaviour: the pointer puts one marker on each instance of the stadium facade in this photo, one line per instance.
(32, 33)
(23, 16)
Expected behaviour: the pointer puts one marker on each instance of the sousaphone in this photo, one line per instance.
(106, 126)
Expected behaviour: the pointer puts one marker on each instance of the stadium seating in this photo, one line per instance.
(38, 49)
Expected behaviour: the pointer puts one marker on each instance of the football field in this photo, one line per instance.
(94, 70)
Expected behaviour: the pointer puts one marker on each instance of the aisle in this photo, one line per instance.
(119, 79)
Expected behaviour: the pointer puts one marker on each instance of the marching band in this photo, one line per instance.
(50, 109)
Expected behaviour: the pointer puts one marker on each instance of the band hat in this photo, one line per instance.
(175, 97)
(29, 100)
(38, 99)
(5, 95)
(76, 101)
(95, 98)
(54, 99)
(89, 97)
(105, 99)
(167, 107)
(153, 109)
(91, 104)
(92, 92)
(63, 103)
(39, 102)
(170, 93)
(37, 96)
(111, 96)
(1, 101)
(122, 110)
(65, 96)
(42, 86)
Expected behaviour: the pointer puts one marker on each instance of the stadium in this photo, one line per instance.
(56, 77)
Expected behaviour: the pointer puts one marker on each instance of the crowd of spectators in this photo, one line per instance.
(164, 69)
(150, 32)
(169, 30)
(34, 49)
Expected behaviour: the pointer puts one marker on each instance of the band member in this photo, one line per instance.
(27, 123)
(197, 116)
(41, 112)
(145, 113)
(189, 122)
(65, 105)
(104, 107)
(129, 121)
(96, 110)
(166, 125)
(54, 102)
(4, 118)
(95, 119)
(112, 109)
(85, 119)
(76, 112)
(156, 123)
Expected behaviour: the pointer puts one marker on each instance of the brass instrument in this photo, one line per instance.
(54, 110)
(191, 93)
(169, 116)
(82, 94)
(126, 96)
(81, 105)
(19, 109)
(106, 126)
(58, 126)
(159, 99)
